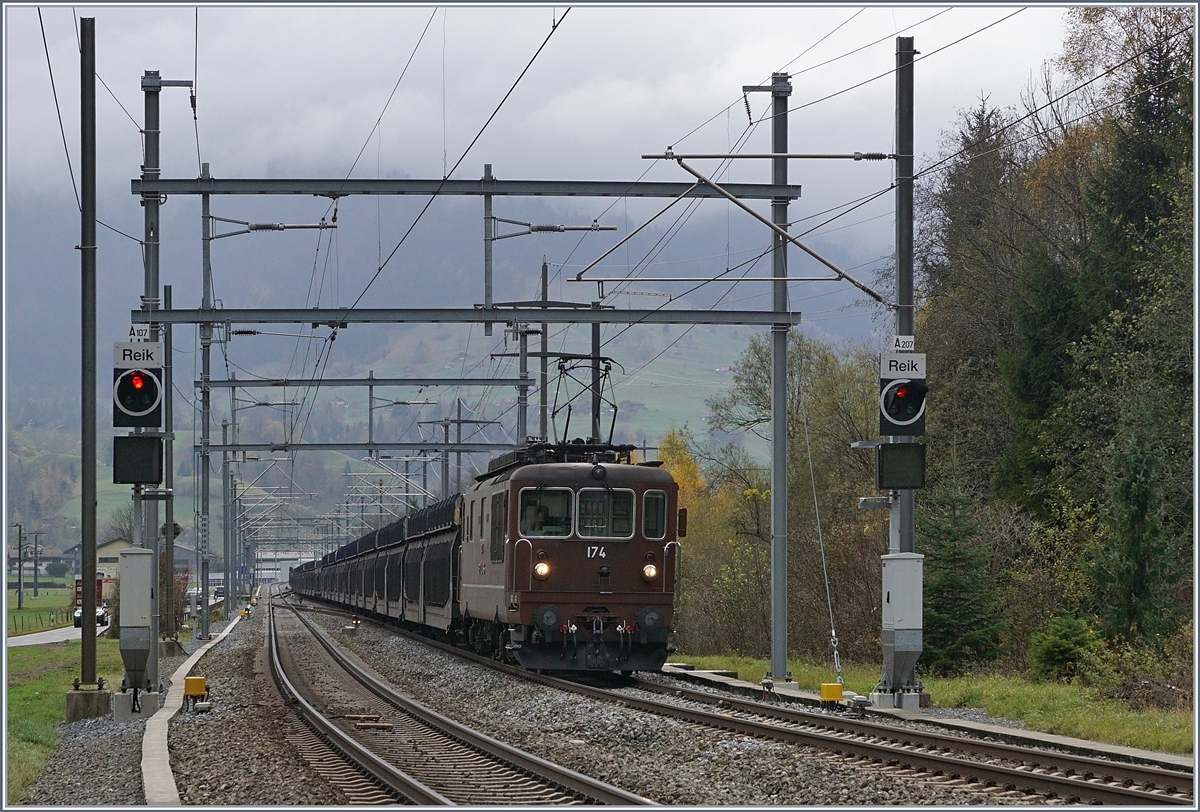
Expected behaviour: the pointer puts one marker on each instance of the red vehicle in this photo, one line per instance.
(561, 557)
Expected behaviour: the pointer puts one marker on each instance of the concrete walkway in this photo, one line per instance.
(157, 776)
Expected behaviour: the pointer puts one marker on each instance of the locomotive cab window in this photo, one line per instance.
(546, 511)
(605, 513)
(654, 515)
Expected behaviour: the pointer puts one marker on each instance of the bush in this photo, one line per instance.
(1152, 674)
(1059, 652)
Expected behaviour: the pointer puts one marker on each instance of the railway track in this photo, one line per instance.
(1051, 773)
(1035, 771)
(403, 748)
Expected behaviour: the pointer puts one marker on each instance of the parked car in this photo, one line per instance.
(101, 616)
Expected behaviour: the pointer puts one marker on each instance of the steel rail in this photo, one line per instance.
(1144, 775)
(893, 755)
(571, 780)
(890, 754)
(396, 780)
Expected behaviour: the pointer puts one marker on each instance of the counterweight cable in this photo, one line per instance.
(812, 477)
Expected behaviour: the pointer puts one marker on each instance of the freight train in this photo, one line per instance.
(562, 557)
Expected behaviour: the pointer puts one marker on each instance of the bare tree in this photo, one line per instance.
(120, 524)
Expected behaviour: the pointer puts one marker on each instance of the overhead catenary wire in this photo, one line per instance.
(79, 44)
(434, 196)
(806, 70)
(933, 167)
(893, 70)
(333, 207)
(475, 140)
(63, 131)
(1057, 99)
(58, 109)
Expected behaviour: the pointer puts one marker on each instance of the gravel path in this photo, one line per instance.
(235, 754)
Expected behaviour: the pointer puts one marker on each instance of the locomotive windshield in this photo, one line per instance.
(654, 515)
(546, 511)
(605, 514)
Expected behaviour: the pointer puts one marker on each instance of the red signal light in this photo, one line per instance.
(902, 392)
(137, 380)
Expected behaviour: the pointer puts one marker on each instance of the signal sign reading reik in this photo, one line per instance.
(133, 354)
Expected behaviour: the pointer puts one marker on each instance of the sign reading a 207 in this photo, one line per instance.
(902, 393)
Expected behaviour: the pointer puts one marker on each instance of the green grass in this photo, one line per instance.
(38, 680)
(1047, 707)
(53, 608)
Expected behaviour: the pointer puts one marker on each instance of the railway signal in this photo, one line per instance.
(902, 392)
(137, 398)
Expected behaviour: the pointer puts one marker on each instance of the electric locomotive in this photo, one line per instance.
(560, 557)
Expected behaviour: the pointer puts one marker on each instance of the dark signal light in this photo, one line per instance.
(137, 398)
(902, 406)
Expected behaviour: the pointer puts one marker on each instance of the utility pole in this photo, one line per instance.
(206, 331)
(35, 535)
(151, 89)
(227, 511)
(87, 404)
(168, 475)
(523, 389)
(489, 235)
(542, 368)
(446, 459)
(20, 564)
(902, 611)
(445, 424)
(904, 239)
(152, 85)
(780, 89)
(595, 436)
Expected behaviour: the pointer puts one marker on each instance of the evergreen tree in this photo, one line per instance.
(963, 623)
(1132, 569)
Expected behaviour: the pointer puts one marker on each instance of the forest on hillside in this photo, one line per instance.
(1054, 265)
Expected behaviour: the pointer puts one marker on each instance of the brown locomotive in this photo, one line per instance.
(561, 557)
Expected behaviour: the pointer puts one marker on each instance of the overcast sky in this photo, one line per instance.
(296, 92)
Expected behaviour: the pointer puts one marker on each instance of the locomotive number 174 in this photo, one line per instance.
(596, 552)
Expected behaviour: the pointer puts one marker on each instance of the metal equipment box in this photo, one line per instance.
(902, 591)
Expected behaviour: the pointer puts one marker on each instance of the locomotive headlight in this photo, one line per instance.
(541, 570)
(649, 572)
